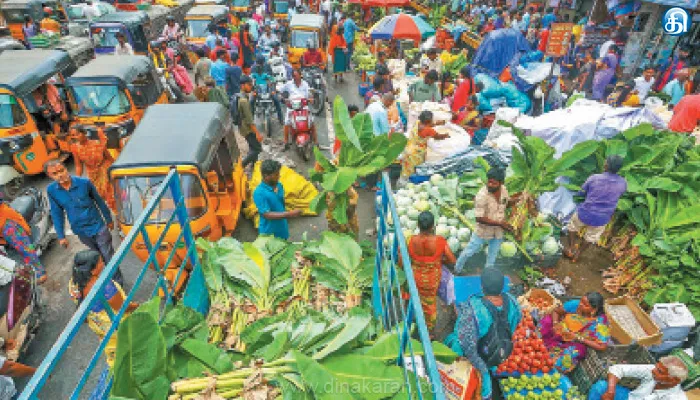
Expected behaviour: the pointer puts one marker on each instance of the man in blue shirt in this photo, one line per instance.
(602, 192)
(212, 38)
(269, 199)
(378, 111)
(549, 18)
(233, 76)
(349, 29)
(87, 212)
(218, 68)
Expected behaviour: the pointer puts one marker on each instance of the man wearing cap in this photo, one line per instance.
(485, 326)
(49, 24)
(602, 192)
(490, 206)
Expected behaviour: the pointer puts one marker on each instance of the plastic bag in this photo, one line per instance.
(492, 88)
(458, 141)
(521, 101)
(484, 104)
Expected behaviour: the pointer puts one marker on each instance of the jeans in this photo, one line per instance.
(351, 49)
(600, 387)
(254, 149)
(474, 245)
(102, 243)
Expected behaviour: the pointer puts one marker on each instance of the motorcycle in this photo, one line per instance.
(314, 77)
(264, 107)
(301, 126)
(180, 52)
(20, 302)
(10, 180)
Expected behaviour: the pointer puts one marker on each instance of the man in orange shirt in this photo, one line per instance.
(686, 114)
(49, 24)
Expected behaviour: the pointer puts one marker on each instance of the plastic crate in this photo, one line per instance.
(363, 88)
(595, 366)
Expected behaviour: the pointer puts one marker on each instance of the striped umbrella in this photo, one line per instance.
(401, 26)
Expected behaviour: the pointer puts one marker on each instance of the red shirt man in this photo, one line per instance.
(312, 57)
(686, 114)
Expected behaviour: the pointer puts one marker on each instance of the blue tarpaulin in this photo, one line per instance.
(498, 49)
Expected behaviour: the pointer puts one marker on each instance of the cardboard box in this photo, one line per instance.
(460, 380)
(654, 335)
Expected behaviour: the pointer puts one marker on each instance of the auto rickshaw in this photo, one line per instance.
(210, 3)
(27, 139)
(199, 19)
(112, 93)
(280, 9)
(305, 28)
(197, 139)
(14, 11)
(240, 6)
(132, 25)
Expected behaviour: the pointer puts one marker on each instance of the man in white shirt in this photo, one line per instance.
(431, 62)
(268, 38)
(644, 83)
(297, 88)
(658, 382)
(122, 48)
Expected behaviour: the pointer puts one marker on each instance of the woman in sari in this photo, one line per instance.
(428, 252)
(87, 267)
(572, 329)
(605, 73)
(92, 155)
(245, 56)
(417, 146)
(337, 50)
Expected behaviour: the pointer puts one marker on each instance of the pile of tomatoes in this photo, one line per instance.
(529, 352)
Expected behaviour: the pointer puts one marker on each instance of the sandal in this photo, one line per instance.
(570, 255)
(41, 278)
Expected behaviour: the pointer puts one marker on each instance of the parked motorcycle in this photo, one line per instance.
(264, 107)
(301, 126)
(20, 302)
(314, 77)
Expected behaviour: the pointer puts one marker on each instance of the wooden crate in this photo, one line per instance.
(654, 335)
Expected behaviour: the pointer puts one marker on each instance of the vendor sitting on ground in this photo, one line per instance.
(485, 326)
(573, 328)
(428, 251)
(602, 193)
(417, 146)
(661, 381)
(624, 94)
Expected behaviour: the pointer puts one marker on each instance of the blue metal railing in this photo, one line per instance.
(195, 295)
(398, 314)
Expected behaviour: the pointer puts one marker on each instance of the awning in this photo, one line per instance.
(687, 4)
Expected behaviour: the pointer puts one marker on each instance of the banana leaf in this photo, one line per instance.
(341, 253)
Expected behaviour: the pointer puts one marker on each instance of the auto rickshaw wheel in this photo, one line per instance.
(11, 189)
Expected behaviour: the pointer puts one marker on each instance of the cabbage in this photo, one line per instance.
(423, 196)
(422, 205)
(407, 233)
(442, 220)
(403, 201)
(404, 220)
(464, 234)
(508, 249)
(442, 230)
(550, 246)
(454, 244)
(412, 224)
(453, 231)
(413, 213)
(453, 222)
(402, 210)
(410, 186)
(436, 179)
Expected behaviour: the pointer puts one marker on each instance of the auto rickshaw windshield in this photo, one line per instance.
(93, 100)
(300, 39)
(106, 37)
(11, 113)
(14, 16)
(134, 192)
(197, 28)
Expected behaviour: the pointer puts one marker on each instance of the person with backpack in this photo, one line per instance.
(485, 326)
(243, 117)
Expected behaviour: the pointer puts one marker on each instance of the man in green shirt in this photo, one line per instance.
(426, 90)
(246, 123)
(215, 94)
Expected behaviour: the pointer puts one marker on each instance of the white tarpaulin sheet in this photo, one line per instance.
(585, 120)
(536, 72)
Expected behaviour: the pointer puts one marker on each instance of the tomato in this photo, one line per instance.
(545, 370)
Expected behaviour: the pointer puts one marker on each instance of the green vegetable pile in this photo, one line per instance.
(309, 331)
(362, 58)
(657, 246)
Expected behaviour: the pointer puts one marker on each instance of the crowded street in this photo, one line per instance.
(372, 199)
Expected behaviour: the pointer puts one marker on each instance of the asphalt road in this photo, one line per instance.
(58, 261)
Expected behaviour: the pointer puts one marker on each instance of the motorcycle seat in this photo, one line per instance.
(26, 206)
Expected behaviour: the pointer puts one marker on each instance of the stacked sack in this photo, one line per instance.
(496, 94)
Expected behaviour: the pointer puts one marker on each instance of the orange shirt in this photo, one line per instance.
(48, 24)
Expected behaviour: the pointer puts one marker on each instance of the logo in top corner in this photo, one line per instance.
(676, 21)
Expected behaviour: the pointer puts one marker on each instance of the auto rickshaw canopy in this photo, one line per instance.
(8, 43)
(214, 11)
(22, 71)
(314, 21)
(129, 18)
(120, 70)
(33, 8)
(210, 3)
(176, 135)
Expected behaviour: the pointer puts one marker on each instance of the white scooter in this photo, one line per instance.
(11, 180)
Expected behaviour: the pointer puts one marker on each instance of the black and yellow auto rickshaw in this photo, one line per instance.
(198, 20)
(305, 29)
(198, 140)
(14, 11)
(132, 25)
(112, 93)
(30, 81)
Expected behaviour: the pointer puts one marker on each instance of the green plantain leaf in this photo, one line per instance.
(344, 129)
(357, 320)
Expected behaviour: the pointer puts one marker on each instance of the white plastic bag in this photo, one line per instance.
(458, 141)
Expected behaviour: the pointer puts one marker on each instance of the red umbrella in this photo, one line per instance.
(385, 3)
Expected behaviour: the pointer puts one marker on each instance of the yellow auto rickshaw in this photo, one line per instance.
(31, 84)
(198, 20)
(112, 93)
(14, 11)
(305, 28)
(198, 140)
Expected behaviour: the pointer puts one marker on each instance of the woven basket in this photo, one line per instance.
(595, 366)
